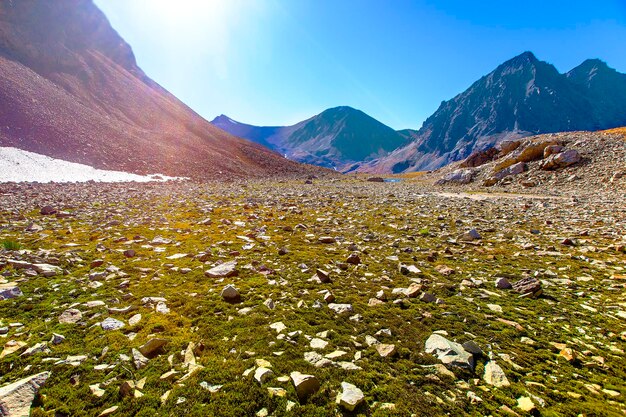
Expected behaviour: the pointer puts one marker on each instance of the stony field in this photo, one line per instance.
(340, 297)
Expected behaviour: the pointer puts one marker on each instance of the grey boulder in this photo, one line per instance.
(448, 352)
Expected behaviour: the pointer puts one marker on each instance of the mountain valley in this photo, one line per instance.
(153, 263)
(337, 138)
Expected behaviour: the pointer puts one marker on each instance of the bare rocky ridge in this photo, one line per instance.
(522, 97)
(70, 88)
(573, 163)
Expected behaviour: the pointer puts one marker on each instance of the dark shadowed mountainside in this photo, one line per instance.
(522, 97)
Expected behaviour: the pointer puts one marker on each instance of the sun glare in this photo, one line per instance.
(193, 32)
(184, 12)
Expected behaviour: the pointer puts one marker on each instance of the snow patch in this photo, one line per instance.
(17, 165)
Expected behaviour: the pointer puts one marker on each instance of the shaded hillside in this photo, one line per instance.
(70, 88)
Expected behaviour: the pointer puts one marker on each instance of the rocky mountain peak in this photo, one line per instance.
(589, 69)
(526, 57)
(521, 97)
(222, 118)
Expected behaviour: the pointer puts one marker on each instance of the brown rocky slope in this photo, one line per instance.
(70, 88)
(574, 162)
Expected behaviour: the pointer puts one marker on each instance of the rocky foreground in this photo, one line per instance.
(340, 297)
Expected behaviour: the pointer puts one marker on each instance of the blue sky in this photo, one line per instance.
(276, 62)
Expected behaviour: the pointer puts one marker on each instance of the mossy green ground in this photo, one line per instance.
(382, 220)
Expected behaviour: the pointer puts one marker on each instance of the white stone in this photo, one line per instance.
(351, 396)
(111, 324)
(262, 374)
(494, 375)
(340, 308)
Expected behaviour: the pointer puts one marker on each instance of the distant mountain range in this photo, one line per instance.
(336, 138)
(70, 88)
(522, 97)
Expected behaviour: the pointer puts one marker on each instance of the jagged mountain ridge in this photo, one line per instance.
(523, 96)
(336, 138)
(70, 88)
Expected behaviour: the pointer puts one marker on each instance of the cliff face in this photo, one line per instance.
(70, 88)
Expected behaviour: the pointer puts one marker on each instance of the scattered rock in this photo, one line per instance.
(152, 347)
(57, 339)
(47, 211)
(340, 308)
(473, 348)
(385, 350)
(428, 297)
(561, 160)
(353, 259)
(471, 235)
(71, 315)
(262, 375)
(230, 293)
(162, 308)
(135, 319)
(551, 150)
(444, 270)
(323, 276)
(305, 385)
(514, 169)
(10, 290)
(111, 324)
(225, 270)
(526, 404)
(448, 352)
(528, 286)
(17, 398)
(109, 411)
(41, 347)
(460, 176)
(503, 284)
(96, 391)
(409, 269)
(479, 158)
(569, 354)
(278, 326)
(129, 389)
(11, 347)
(494, 375)
(527, 152)
(317, 343)
(350, 397)
(139, 360)
(329, 297)
(317, 360)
